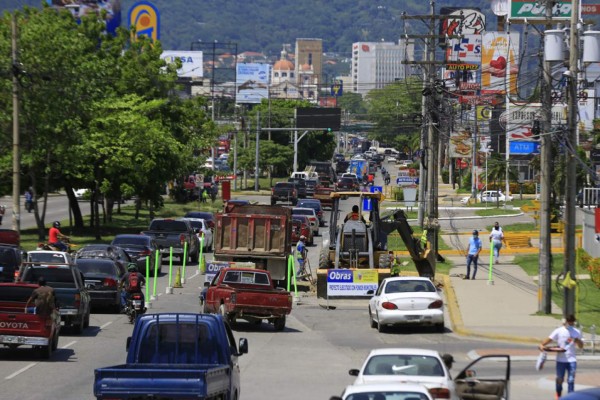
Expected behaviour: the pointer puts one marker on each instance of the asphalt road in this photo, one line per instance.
(308, 360)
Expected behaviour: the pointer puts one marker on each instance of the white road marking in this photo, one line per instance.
(68, 344)
(105, 325)
(25, 368)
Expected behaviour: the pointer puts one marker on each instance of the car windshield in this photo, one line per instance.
(93, 267)
(309, 204)
(408, 286)
(196, 224)
(134, 240)
(46, 257)
(404, 364)
(310, 212)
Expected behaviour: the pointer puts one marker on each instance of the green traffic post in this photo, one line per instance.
(201, 257)
(156, 261)
(184, 260)
(147, 274)
(293, 264)
(170, 264)
(490, 280)
(289, 271)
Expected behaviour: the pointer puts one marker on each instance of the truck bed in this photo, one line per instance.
(140, 381)
(262, 302)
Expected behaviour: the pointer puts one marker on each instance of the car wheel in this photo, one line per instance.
(86, 322)
(279, 323)
(80, 326)
(440, 328)
(226, 316)
(380, 326)
(371, 320)
(45, 352)
(55, 341)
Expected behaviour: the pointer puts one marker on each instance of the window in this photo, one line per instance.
(284, 74)
(276, 74)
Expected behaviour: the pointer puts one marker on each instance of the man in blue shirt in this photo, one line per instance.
(473, 255)
(301, 256)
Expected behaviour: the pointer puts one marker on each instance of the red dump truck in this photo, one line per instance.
(259, 234)
(21, 327)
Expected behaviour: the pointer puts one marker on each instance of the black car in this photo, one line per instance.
(300, 186)
(101, 277)
(284, 191)
(139, 247)
(205, 215)
(107, 251)
(347, 184)
(11, 258)
(338, 157)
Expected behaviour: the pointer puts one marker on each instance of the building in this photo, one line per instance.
(376, 64)
(309, 67)
(283, 78)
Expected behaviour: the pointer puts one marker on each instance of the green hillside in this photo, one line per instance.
(264, 25)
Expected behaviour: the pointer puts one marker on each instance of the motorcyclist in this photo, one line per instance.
(127, 290)
(55, 237)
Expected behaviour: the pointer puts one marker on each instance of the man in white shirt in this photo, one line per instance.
(565, 337)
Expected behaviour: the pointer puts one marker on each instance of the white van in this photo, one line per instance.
(304, 175)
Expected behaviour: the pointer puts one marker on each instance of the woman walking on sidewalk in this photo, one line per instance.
(496, 239)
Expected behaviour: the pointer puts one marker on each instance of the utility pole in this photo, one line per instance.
(256, 166)
(545, 263)
(16, 215)
(571, 172)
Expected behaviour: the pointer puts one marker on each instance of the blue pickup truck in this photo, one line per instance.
(176, 356)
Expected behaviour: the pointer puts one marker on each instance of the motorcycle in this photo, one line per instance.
(134, 306)
(71, 247)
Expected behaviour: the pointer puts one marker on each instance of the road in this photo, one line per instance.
(308, 360)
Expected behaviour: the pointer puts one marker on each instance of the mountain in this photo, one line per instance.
(264, 25)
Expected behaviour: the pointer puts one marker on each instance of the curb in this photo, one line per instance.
(458, 325)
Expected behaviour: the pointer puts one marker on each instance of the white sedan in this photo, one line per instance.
(405, 300)
(427, 367)
(203, 231)
(385, 391)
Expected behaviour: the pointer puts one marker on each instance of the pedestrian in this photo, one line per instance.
(43, 298)
(395, 270)
(29, 200)
(2, 211)
(473, 254)
(301, 253)
(496, 239)
(565, 337)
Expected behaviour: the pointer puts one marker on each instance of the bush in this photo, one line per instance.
(445, 176)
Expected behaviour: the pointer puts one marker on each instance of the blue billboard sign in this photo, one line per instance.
(524, 147)
(79, 8)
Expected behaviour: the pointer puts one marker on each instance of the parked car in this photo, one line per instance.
(385, 391)
(105, 251)
(301, 227)
(406, 300)
(312, 217)
(102, 276)
(314, 204)
(139, 247)
(493, 196)
(208, 216)
(426, 367)
(204, 232)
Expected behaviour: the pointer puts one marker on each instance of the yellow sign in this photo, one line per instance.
(144, 16)
(527, 208)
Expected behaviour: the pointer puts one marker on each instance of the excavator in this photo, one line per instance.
(362, 242)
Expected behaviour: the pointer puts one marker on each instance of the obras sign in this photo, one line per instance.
(534, 10)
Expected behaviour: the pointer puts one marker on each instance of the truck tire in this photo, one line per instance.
(196, 256)
(273, 202)
(226, 316)
(324, 259)
(45, 352)
(385, 261)
(55, 341)
(279, 323)
(86, 322)
(78, 327)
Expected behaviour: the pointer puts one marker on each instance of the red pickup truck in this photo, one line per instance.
(18, 327)
(249, 294)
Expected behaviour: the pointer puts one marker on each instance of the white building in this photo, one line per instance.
(376, 64)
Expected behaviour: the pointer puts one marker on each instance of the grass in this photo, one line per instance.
(520, 226)
(588, 299)
(488, 212)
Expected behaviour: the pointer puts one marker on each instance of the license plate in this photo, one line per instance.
(137, 303)
(413, 317)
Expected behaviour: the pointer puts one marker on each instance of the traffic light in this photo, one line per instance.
(326, 133)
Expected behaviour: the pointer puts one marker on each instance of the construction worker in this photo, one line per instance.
(424, 239)
(354, 215)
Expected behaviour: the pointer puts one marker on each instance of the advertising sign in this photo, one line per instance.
(351, 282)
(585, 106)
(212, 268)
(460, 143)
(519, 120)
(144, 16)
(79, 8)
(191, 62)
(252, 83)
(536, 10)
(407, 180)
(499, 57)
(524, 147)
(461, 21)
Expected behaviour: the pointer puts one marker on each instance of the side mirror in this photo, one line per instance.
(128, 343)
(353, 372)
(243, 346)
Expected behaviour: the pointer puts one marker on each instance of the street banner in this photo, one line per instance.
(212, 269)
(499, 56)
(351, 282)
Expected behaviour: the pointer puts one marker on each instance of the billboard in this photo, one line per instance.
(319, 118)
(499, 58)
(536, 10)
(461, 143)
(252, 83)
(351, 282)
(144, 16)
(461, 21)
(80, 8)
(519, 120)
(191, 62)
